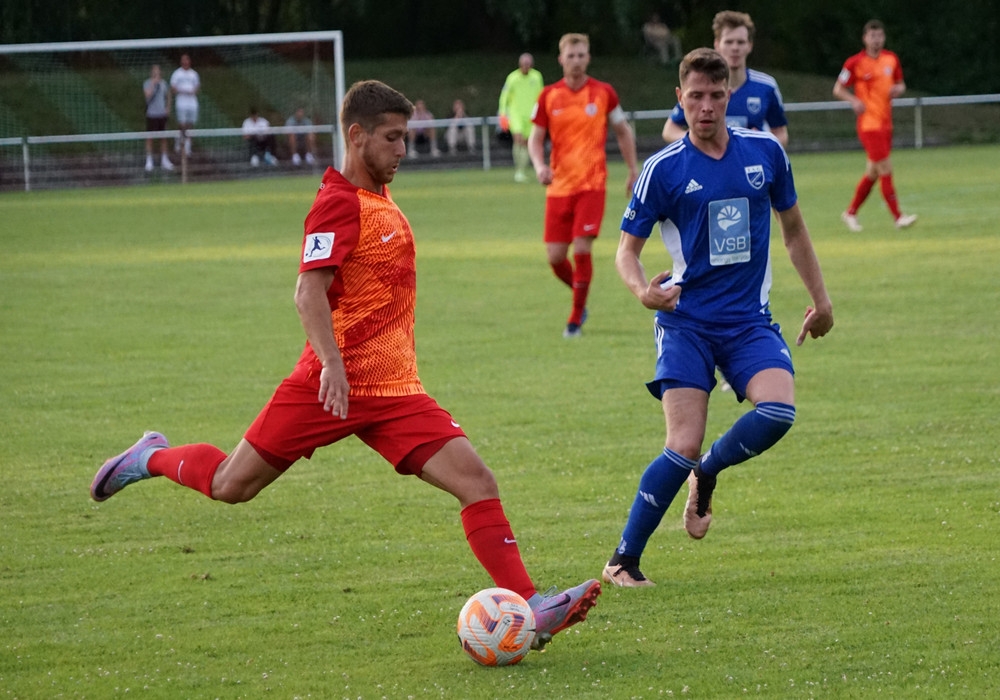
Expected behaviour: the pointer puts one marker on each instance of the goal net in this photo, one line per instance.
(76, 113)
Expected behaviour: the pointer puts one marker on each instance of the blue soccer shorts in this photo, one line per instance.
(687, 355)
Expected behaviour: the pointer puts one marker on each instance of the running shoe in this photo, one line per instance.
(906, 221)
(555, 613)
(128, 467)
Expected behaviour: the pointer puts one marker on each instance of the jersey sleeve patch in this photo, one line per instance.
(317, 246)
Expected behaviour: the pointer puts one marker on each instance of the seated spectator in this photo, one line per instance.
(460, 132)
(660, 39)
(421, 136)
(301, 146)
(260, 140)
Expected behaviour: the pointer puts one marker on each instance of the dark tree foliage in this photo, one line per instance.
(947, 48)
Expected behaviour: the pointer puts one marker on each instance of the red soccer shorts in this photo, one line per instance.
(577, 215)
(878, 144)
(405, 430)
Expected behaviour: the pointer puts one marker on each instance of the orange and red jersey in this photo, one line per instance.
(577, 123)
(872, 80)
(373, 296)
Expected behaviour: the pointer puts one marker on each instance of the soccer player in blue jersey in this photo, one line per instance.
(756, 100)
(710, 196)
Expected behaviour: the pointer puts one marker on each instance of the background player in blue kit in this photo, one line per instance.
(711, 194)
(756, 100)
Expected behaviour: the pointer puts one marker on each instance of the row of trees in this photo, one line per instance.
(947, 47)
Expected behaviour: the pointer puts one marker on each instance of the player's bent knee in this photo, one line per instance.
(458, 469)
(690, 450)
(232, 493)
(475, 483)
(242, 475)
(487, 483)
(235, 488)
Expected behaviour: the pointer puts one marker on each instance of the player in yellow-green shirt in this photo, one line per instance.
(517, 100)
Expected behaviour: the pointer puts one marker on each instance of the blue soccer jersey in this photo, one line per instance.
(714, 217)
(756, 104)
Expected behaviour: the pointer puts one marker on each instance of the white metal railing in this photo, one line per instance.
(487, 125)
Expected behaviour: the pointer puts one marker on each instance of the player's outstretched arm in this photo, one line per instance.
(819, 317)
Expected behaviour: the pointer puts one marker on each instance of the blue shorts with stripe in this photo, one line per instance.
(689, 352)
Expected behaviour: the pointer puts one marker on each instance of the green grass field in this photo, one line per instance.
(857, 558)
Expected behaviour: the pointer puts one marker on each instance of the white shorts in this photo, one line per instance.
(187, 115)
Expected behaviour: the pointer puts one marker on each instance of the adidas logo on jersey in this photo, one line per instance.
(693, 186)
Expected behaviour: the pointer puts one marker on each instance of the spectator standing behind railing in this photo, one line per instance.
(460, 132)
(157, 94)
(185, 84)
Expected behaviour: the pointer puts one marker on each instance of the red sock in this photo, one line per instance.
(564, 271)
(492, 541)
(582, 276)
(861, 193)
(189, 465)
(889, 195)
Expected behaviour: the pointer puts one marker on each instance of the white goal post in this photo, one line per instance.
(65, 103)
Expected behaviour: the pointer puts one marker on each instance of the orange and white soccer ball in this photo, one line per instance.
(496, 627)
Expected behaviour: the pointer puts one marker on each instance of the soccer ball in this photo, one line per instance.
(496, 627)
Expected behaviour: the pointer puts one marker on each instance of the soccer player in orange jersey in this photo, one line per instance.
(357, 375)
(574, 114)
(870, 80)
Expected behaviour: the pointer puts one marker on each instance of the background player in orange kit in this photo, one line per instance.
(575, 113)
(876, 77)
(355, 296)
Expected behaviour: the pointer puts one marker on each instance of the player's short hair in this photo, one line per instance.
(708, 62)
(368, 102)
(573, 38)
(873, 24)
(731, 19)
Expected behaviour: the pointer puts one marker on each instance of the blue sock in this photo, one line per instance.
(659, 484)
(754, 432)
